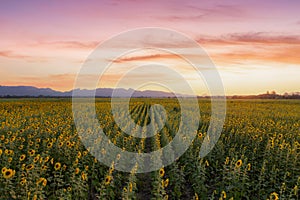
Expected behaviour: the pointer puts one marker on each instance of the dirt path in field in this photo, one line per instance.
(144, 180)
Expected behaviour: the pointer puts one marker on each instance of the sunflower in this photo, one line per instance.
(47, 159)
(196, 196)
(130, 187)
(1, 152)
(23, 181)
(68, 143)
(36, 158)
(274, 196)
(108, 180)
(43, 181)
(9, 173)
(29, 167)
(57, 166)
(77, 170)
(223, 194)
(31, 152)
(44, 167)
(249, 166)
(69, 189)
(161, 172)
(60, 144)
(9, 159)
(200, 135)
(3, 170)
(239, 163)
(83, 176)
(49, 145)
(227, 161)
(2, 137)
(166, 182)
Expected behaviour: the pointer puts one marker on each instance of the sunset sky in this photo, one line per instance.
(254, 44)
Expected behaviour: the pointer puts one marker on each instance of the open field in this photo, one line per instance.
(256, 157)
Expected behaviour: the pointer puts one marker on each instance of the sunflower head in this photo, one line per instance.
(238, 163)
(166, 182)
(274, 196)
(31, 152)
(108, 180)
(77, 170)
(83, 176)
(9, 173)
(22, 157)
(23, 181)
(223, 194)
(57, 166)
(161, 172)
(3, 170)
(30, 167)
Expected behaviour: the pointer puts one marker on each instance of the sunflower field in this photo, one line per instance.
(256, 157)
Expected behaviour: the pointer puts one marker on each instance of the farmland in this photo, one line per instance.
(256, 156)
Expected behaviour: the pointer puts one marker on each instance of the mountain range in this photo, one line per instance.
(30, 91)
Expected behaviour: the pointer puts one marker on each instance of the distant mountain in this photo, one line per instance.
(27, 91)
(30, 91)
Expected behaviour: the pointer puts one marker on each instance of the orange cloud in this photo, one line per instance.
(250, 39)
(73, 44)
(146, 57)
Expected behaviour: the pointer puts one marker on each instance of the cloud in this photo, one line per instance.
(73, 44)
(239, 48)
(146, 57)
(10, 54)
(250, 38)
(13, 55)
(214, 12)
(286, 55)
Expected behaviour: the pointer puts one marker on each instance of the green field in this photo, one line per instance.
(256, 157)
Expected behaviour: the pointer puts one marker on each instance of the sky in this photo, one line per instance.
(255, 45)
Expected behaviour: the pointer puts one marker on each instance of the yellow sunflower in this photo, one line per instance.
(23, 181)
(31, 152)
(3, 170)
(77, 170)
(274, 196)
(57, 166)
(83, 176)
(9, 173)
(29, 167)
(108, 180)
(223, 194)
(161, 172)
(239, 163)
(43, 181)
(166, 182)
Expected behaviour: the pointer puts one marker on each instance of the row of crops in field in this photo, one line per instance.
(43, 157)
